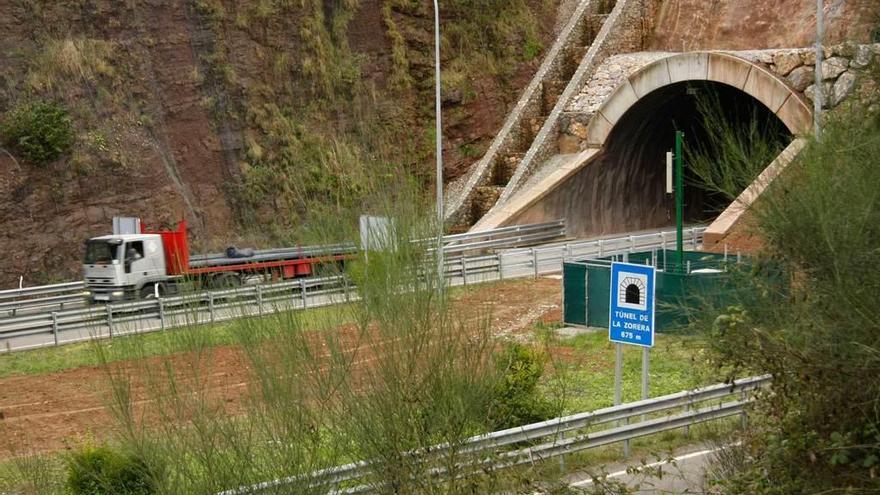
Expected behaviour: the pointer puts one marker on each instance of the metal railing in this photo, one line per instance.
(41, 290)
(72, 293)
(114, 319)
(504, 237)
(42, 296)
(539, 442)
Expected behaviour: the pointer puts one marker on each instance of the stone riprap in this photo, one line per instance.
(607, 77)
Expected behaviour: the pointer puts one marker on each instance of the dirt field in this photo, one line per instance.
(51, 412)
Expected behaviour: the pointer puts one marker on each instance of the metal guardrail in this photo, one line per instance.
(113, 319)
(506, 237)
(41, 290)
(58, 295)
(539, 442)
(42, 296)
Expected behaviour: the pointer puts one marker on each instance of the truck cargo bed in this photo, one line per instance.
(200, 261)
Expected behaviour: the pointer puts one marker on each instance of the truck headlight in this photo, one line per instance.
(117, 293)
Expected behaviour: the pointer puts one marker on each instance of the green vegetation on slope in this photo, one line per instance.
(40, 131)
(317, 133)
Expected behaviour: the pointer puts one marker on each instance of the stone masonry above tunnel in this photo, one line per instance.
(739, 73)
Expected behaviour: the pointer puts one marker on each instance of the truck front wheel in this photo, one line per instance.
(150, 291)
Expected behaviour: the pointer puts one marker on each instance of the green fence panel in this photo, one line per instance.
(598, 295)
(676, 292)
(574, 300)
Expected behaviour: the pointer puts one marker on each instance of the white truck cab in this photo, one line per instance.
(127, 266)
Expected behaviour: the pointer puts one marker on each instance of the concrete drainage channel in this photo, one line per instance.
(112, 320)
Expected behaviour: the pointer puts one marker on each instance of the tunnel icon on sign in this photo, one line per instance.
(632, 291)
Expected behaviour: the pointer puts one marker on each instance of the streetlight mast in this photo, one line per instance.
(818, 94)
(439, 144)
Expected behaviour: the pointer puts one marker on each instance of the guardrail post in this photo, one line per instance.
(345, 288)
(632, 244)
(464, 270)
(694, 238)
(500, 266)
(211, 306)
(600, 247)
(109, 310)
(561, 438)
(302, 288)
(687, 428)
(260, 300)
(689, 266)
(55, 327)
(535, 261)
(161, 304)
(744, 420)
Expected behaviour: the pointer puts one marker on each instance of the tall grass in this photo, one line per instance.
(390, 373)
(739, 143)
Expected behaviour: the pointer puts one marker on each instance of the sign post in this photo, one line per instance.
(631, 320)
(679, 200)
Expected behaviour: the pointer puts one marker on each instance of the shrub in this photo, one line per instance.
(101, 470)
(40, 131)
(516, 398)
(818, 431)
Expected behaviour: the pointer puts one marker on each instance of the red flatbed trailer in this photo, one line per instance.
(154, 262)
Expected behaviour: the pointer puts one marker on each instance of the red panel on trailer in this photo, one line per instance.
(303, 269)
(176, 248)
(288, 271)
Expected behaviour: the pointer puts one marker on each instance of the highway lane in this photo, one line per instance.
(506, 264)
(149, 321)
(684, 471)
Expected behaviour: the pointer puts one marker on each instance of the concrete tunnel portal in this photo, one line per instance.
(618, 183)
(629, 176)
(623, 188)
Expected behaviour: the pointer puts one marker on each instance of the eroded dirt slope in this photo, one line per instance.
(170, 103)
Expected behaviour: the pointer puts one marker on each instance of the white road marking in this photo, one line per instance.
(684, 457)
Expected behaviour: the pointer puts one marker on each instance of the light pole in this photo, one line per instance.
(439, 151)
(818, 93)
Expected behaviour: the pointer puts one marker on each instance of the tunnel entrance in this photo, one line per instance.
(629, 178)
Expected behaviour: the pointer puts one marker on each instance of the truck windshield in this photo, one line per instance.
(101, 252)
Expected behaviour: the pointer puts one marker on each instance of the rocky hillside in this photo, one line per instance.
(248, 118)
(683, 25)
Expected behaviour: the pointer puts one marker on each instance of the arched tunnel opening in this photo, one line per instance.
(629, 179)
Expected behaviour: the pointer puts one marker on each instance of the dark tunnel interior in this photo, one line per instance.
(630, 177)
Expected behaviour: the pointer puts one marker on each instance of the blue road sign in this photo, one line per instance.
(632, 304)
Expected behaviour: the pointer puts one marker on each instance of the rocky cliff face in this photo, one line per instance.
(684, 25)
(185, 108)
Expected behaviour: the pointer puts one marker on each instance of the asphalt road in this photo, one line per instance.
(682, 472)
